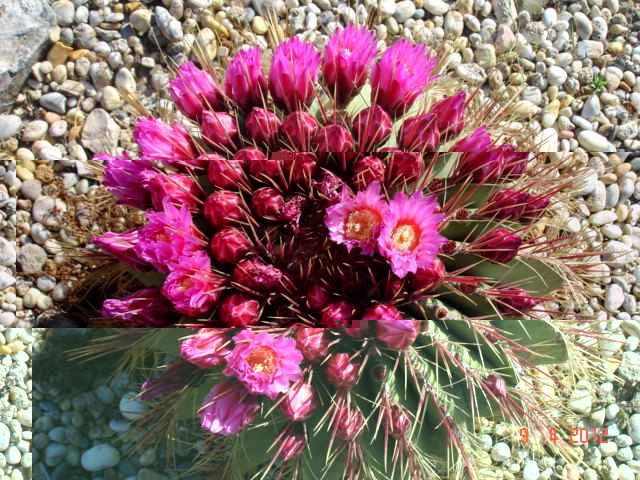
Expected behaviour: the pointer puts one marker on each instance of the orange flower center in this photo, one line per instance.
(361, 224)
(262, 360)
(347, 52)
(405, 237)
(185, 284)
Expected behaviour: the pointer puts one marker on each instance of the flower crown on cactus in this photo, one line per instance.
(288, 201)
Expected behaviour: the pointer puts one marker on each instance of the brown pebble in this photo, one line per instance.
(44, 173)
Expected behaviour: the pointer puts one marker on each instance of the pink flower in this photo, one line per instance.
(228, 408)
(450, 115)
(367, 170)
(299, 167)
(478, 141)
(229, 245)
(223, 208)
(380, 311)
(506, 204)
(500, 245)
(265, 364)
(292, 444)
(409, 237)
(168, 236)
(256, 275)
(481, 161)
(341, 371)
(298, 130)
(244, 81)
(348, 57)
(299, 402)
(178, 189)
(338, 314)
(356, 222)
(317, 296)
(177, 376)
(293, 74)
(195, 90)
(333, 138)
(191, 286)
(403, 167)
(313, 343)
(420, 133)
(219, 130)
(122, 179)
(263, 126)
(397, 333)
(431, 278)
(123, 247)
(496, 385)
(145, 308)
(401, 76)
(240, 310)
(267, 203)
(167, 144)
(208, 348)
(515, 163)
(223, 172)
(349, 423)
(372, 127)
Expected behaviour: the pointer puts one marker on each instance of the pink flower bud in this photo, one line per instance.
(515, 163)
(403, 166)
(515, 301)
(298, 130)
(263, 126)
(164, 143)
(121, 179)
(245, 82)
(179, 189)
(256, 275)
(208, 348)
(500, 245)
(496, 385)
(267, 203)
(264, 169)
(367, 170)
(239, 311)
(349, 423)
(420, 133)
(223, 208)
(229, 245)
(292, 444)
(397, 333)
(317, 296)
(429, 279)
(338, 314)
(348, 57)
(380, 311)
(228, 408)
(372, 127)
(400, 421)
(123, 247)
(450, 113)
(174, 378)
(293, 74)
(313, 343)
(507, 204)
(333, 139)
(224, 172)
(144, 308)
(219, 130)
(300, 167)
(299, 402)
(195, 90)
(535, 207)
(341, 372)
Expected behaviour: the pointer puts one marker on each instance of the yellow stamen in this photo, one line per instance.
(361, 224)
(262, 360)
(405, 237)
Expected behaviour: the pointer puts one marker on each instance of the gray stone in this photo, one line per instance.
(34, 130)
(589, 49)
(556, 75)
(614, 297)
(100, 457)
(169, 26)
(590, 108)
(500, 452)
(100, 132)
(6, 280)
(580, 401)
(386, 7)
(634, 425)
(583, 25)
(5, 437)
(9, 126)
(592, 141)
(141, 19)
(65, 12)
(24, 31)
(471, 72)
(505, 11)
(630, 371)
(54, 101)
(31, 258)
(148, 474)
(436, 7)
(404, 10)
(618, 254)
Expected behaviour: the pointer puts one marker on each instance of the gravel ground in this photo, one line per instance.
(577, 65)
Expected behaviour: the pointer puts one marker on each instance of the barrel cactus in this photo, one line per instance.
(381, 231)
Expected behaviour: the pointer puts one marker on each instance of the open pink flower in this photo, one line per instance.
(265, 364)
(348, 57)
(401, 76)
(245, 82)
(191, 286)
(195, 90)
(122, 246)
(293, 74)
(356, 222)
(122, 179)
(409, 237)
(208, 348)
(167, 144)
(144, 308)
(168, 236)
(228, 408)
